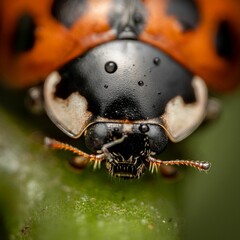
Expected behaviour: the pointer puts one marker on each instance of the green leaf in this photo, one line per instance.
(43, 198)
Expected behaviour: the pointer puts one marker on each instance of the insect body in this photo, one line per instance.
(129, 75)
(128, 99)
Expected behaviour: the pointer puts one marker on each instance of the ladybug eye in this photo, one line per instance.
(224, 41)
(186, 12)
(24, 37)
(96, 136)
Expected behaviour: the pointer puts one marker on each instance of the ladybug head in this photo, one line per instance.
(126, 147)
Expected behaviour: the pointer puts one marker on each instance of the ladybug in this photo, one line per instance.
(127, 108)
(129, 76)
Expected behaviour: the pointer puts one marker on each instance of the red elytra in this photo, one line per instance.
(56, 44)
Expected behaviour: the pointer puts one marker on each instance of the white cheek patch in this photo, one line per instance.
(70, 114)
(181, 119)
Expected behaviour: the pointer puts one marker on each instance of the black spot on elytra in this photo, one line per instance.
(68, 11)
(24, 35)
(224, 40)
(186, 11)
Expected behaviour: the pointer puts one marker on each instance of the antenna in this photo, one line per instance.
(200, 165)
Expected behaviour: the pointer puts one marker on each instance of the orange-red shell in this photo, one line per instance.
(56, 44)
(195, 49)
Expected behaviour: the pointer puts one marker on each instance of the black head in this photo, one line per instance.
(126, 146)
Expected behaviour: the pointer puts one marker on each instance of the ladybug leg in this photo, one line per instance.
(83, 158)
(79, 162)
(213, 109)
(34, 100)
(169, 172)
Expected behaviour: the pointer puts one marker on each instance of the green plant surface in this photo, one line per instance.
(42, 198)
(211, 204)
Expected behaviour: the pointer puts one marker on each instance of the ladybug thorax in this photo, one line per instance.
(125, 79)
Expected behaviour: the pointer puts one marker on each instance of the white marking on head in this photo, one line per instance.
(70, 114)
(181, 119)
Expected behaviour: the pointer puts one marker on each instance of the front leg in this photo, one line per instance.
(213, 109)
(34, 100)
(79, 162)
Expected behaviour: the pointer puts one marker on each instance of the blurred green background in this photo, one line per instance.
(41, 197)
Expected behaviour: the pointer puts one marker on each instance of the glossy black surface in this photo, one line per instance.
(139, 89)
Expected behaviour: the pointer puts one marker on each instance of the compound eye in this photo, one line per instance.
(101, 133)
(157, 138)
(96, 136)
(71, 115)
